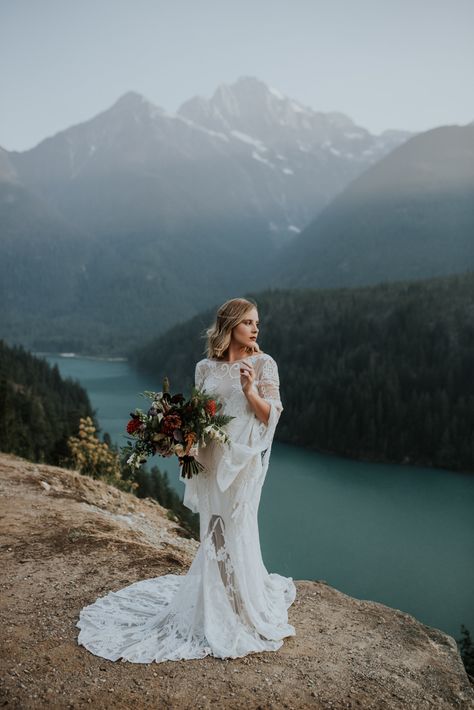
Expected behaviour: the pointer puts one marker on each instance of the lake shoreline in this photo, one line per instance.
(374, 459)
(78, 356)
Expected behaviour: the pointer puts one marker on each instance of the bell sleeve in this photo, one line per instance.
(269, 388)
(255, 442)
(199, 374)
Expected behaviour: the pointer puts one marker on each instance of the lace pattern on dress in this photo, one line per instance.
(269, 382)
(226, 605)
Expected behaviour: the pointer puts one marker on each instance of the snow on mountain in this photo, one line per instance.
(264, 115)
(267, 153)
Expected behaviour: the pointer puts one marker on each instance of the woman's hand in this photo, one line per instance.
(247, 376)
(259, 406)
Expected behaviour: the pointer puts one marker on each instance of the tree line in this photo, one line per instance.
(382, 373)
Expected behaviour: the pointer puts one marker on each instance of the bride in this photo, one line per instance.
(227, 605)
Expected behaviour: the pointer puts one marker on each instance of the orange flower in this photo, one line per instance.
(211, 407)
(190, 438)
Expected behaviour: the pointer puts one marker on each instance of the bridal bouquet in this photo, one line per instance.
(174, 425)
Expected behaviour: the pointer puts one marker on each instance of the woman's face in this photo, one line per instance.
(245, 333)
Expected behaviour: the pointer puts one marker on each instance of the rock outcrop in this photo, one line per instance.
(67, 539)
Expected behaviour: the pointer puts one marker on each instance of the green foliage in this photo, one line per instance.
(466, 649)
(383, 373)
(39, 410)
(98, 459)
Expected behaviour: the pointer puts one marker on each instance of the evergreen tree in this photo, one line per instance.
(466, 649)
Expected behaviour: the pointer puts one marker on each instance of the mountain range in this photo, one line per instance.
(118, 227)
(248, 150)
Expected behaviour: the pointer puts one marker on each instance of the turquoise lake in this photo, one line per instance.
(399, 535)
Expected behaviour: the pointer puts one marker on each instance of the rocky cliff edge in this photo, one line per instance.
(67, 539)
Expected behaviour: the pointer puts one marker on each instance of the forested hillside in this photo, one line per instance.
(38, 409)
(410, 216)
(382, 373)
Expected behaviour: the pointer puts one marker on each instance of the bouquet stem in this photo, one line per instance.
(189, 466)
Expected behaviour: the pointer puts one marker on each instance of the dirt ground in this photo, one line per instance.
(67, 539)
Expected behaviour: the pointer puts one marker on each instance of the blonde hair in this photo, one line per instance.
(229, 315)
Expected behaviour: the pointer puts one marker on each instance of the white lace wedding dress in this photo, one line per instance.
(227, 605)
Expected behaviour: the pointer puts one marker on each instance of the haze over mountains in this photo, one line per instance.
(410, 216)
(247, 150)
(118, 227)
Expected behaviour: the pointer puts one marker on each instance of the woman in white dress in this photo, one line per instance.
(227, 605)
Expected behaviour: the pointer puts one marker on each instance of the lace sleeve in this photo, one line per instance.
(269, 383)
(256, 438)
(199, 374)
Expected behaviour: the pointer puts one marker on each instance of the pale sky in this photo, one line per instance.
(404, 64)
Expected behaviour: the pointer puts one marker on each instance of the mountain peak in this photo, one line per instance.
(247, 102)
(133, 101)
(248, 88)
(250, 106)
(130, 98)
(247, 81)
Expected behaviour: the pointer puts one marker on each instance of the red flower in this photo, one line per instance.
(211, 407)
(133, 425)
(170, 423)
